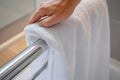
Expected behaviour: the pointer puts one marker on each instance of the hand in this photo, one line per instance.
(53, 12)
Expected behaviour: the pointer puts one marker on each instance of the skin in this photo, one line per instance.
(53, 11)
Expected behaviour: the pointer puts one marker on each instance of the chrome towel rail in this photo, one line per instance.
(23, 59)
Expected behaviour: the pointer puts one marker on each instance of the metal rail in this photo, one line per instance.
(23, 59)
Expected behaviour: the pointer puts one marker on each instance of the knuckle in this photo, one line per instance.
(42, 6)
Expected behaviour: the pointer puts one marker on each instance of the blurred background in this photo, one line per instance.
(14, 15)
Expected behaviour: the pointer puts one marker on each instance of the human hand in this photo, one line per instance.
(54, 12)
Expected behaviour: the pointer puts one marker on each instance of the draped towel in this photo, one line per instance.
(79, 47)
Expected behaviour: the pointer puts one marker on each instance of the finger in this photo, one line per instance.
(49, 21)
(36, 16)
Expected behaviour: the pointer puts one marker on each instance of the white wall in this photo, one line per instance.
(11, 10)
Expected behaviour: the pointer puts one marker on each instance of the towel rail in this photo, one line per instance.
(23, 59)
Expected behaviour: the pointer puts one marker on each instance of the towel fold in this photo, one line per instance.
(78, 48)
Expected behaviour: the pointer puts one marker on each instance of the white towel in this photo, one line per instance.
(78, 48)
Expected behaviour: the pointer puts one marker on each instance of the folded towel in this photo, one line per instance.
(78, 48)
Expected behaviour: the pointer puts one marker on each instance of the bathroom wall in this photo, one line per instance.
(114, 11)
(12, 10)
